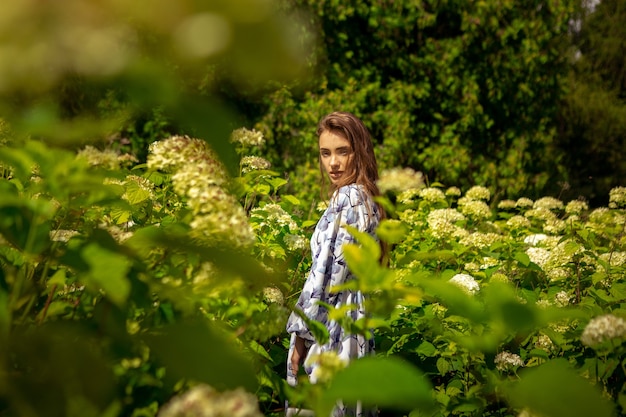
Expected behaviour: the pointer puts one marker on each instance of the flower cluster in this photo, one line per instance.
(506, 204)
(478, 192)
(107, 158)
(546, 217)
(175, 152)
(548, 203)
(544, 342)
(576, 207)
(399, 179)
(614, 259)
(562, 299)
(474, 209)
(506, 361)
(254, 163)
(205, 401)
(442, 223)
(481, 240)
(247, 138)
(603, 328)
(62, 235)
(466, 282)
(407, 196)
(273, 295)
(328, 364)
(617, 197)
(523, 203)
(453, 192)
(518, 222)
(433, 195)
(274, 216)
(199, 177)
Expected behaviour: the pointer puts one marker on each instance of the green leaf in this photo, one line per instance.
(317, 329)
(107, 271)
(197, 352)
(135, 194)
(555, 390)
(443, 366)
(426, 349)
(404, 387)
(290, 199)
(522, 258)
(391, 231)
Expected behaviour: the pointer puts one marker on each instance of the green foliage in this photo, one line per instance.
(465, 91)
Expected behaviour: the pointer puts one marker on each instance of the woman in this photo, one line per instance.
(346, 156)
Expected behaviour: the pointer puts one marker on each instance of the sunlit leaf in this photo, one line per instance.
(107, 271)
(404, 387)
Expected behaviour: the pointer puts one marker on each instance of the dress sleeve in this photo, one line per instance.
(347, 207)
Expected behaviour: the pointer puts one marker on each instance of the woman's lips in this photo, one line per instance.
(335, 175)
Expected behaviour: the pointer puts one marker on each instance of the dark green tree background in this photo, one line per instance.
(523, 97)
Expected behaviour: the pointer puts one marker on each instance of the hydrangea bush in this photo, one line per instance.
(174, 281)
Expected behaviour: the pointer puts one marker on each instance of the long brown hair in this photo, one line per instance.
(364, 166)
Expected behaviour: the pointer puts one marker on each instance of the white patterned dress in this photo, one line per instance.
(349, 205)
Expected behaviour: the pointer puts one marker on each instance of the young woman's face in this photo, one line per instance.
(336, 155)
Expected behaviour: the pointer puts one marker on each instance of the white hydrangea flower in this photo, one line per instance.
(614, 259)
(433, 195)
(107, 158)
(62, 235)
(562, 299)
(441, 223)
(474, 209)
(506, 361)
(506, 204)
(321, 206)
(538, 256)
(471, 267)
(247, 137)
(549, 203)
(558, 273)
(177, 152)
(328, 364)
(407, 196)
(295, 242)
(603, 328)
(204, 401)
(399, 179)
(544, 342)
(481, 240)
(466, 282)
(518, 222)
(273, 295)
(274, 216)
(524, 202)
(554, 226)
(576, 207)
(453, 192)
(540, 213)
(254, 163)
(478, 192)
(600, 215)
(617, 197)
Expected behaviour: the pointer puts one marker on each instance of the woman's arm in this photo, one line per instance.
(299, 352)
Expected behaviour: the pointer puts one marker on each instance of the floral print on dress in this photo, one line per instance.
(350, 205)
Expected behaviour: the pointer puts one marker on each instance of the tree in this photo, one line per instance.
(465, 91)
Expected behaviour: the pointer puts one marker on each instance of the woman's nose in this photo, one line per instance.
(334, 161)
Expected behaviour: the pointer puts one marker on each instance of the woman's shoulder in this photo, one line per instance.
(350, 195)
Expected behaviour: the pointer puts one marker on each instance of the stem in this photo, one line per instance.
(48, 302)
